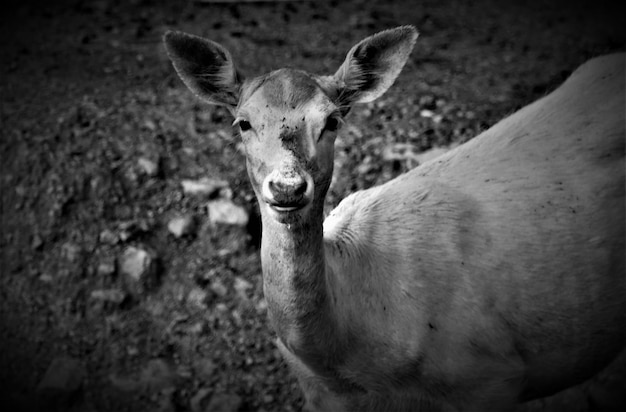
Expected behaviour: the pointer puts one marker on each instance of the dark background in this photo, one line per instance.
(86, 91)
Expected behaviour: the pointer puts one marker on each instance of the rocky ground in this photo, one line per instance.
(130, 276)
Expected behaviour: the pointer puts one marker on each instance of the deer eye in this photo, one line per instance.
(244, 125)
(332, 124)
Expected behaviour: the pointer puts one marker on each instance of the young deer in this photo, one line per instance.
(489, 276)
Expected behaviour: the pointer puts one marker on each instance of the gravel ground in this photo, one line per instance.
(118, 290)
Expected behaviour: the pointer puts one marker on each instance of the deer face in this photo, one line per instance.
(288, 125)
(288, 119)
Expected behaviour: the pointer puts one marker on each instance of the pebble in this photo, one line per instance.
(224, 403)
(218, 287)
(46, 278)
(181, 226)
(198, 400)
(116, 296)
(224, 211)
(202, 187)
(71, 252)
(149, 167)
(106, 268)
(241, 286)
(261, 306)
(37, 242)
(108, 237)
(62, 380)
(204, 368)
(427, 113)
(158, 375)
(196, 298)
(139, 268)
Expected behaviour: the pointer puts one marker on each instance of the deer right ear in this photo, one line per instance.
(373, 64)
(205, 67)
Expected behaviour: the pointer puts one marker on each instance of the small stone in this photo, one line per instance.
(71, 252)
(20, 190)
(241, 286)
(261, 306)
(221, 308)
(62, 380)
(108, 237)
(218, 287)
(198, 401)
(224, 403)
(109, 295)
(224, 211)
(150, 124)
(106, 268)
(139, 267)
(181, 226)
(202, 187)
(204, 368)
(46, 278)
(157, 375)
(37, 242)
(197, 298)
(149, 167)
(125, 235)
(427, 113)
(197, 328)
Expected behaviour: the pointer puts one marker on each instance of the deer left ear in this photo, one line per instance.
(373, 65)
(205, 67)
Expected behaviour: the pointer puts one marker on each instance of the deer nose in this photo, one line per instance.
(288, 189)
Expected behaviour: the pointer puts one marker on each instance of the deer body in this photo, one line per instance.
(488, 276)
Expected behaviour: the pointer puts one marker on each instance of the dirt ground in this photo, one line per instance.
(98, 134)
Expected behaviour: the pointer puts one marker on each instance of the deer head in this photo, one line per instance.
(288, 119)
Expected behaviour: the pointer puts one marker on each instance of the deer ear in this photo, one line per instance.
(373, 64)
(205, 67)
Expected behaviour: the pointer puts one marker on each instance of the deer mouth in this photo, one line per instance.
(287, 207)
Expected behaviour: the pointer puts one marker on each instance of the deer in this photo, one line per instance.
(486, 277)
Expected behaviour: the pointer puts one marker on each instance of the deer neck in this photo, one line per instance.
(295, 287)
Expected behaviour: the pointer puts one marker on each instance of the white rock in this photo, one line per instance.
(261, 306)
(197, 298)
(46, 278)
(224, 403)
(109, 295)
(224, 211)
(181, 226)
(204, 186)
(241, 286)
(219, 288)
(149, 167)
(158, 375)
(197, 402)
(71, 252)
(105, 268)
(109, 237)
(139, 268)
(37, 242)
(427, 113)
